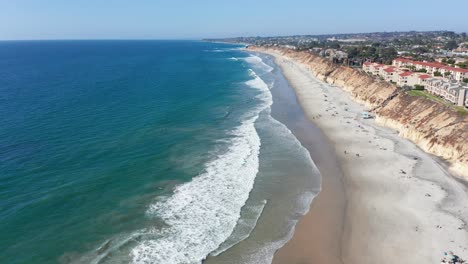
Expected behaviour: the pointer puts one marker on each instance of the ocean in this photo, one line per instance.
(146, 152)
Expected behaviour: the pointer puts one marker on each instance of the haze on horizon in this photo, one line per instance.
(177, 19)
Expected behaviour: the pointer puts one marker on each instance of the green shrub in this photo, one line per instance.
(418, 87)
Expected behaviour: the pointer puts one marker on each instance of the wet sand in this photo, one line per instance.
(320, 242)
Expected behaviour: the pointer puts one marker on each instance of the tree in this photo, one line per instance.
(353, 52)
(451, 44)
(371, 51)
(421, 50)
(437, 73)
(388, 54)
(463, 36)
(334, 45)
(446, 74)
(449, 34)
(465, 80)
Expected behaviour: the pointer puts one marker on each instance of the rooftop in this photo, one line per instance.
(424, 76)
(408, 73)
(448, 68)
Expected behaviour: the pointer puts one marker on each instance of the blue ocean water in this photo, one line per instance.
(139, 152)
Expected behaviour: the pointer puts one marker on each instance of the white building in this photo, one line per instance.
(407, 78)
(451, 91)
(457, 74)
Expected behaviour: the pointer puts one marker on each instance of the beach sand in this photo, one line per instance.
(398, 204)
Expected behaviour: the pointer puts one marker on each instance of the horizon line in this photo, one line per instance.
(232, 37)
(104, 39)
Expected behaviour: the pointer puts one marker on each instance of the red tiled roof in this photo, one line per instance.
(367, 63)
(448, 68)
(408, 73)
(424, 76)
(378, 65)
(389, 69)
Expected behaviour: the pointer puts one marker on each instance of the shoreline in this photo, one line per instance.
(326, 210)
(402, 208)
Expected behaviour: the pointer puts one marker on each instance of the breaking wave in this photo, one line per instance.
(203, 213)
(255, 60)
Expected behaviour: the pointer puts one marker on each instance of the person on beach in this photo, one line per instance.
(451, 258)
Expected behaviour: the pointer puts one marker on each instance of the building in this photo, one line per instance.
(430, 67)
(366, 66)
(406, 79)
(376, 68)
(457, 74)
(453, 73)
(449, 90)
(422, 79)
(389, 73)
(401, 62)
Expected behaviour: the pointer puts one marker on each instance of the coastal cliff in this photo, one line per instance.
(434, 127)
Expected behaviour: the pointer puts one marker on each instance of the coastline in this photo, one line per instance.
(327, 209)
(401, 208)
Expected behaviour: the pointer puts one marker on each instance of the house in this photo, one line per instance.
(452, 94)
(376, 68)
(366, 66)
(422, 79)
(463, 95)
(389, 74)
(463, 98)
(429, 67)
(449, 90)
(457, 74)
(466, 97)
(433, 85)
(401, 62)
(406, 79)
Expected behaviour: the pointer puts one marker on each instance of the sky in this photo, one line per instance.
(196, 19)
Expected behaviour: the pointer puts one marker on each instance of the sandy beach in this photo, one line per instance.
(400, 204)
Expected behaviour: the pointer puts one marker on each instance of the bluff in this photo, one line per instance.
(436, 128)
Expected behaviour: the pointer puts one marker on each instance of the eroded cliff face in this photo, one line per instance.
(434, 127)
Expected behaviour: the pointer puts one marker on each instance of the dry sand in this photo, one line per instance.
(401, 206)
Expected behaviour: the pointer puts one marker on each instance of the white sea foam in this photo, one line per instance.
(264, 254)
(244, 227)
(255, 60)
(259, 84)
(216, 50)
(203, 213)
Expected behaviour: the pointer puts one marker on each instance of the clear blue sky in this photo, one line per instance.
(193, 19)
